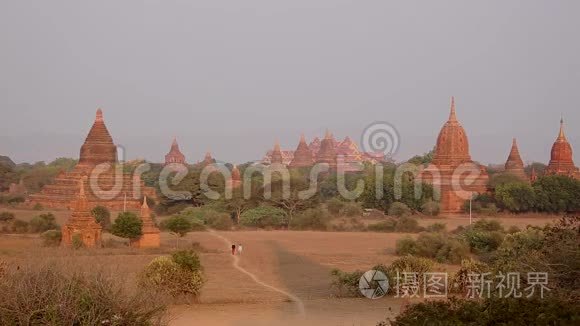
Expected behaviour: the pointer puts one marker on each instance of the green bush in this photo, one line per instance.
(483, 241)
(167, 276)
(19, 226)
(51, 238)
(103, 216)
(37, 207)
(6, 217)
(263, 217)
(460, 281)
(43, 222)
(490, 311)
(187, 259)
(407, 224)
(387, 225)
(516, 197)
(430, 208)
(311, 219)
(335, 206)
(436, 227)
(77, 241)
(557, 194)
(438, 246)
(399, 209)
(127, 225)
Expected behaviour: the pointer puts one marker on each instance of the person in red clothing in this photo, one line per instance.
(233, 249)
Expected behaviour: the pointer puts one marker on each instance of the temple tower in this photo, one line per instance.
(82, 224)
(327, 152)
(514, 164)
(277, 154)
(561, 158)
(98, 146)
(302, 155)
(150, 237)
(174, 155)
(452, 171)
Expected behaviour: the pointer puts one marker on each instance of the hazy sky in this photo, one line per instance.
(232, 76)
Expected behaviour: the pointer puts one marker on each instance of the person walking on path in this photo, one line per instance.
(240, 248)
(233, 249)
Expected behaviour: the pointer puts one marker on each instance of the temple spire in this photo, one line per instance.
(561, 135)
(277, 145)
(452, 114)
(145, 211)
(327, 135)
(99, 116)
(302, 138)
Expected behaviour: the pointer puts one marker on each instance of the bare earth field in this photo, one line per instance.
(273, 262)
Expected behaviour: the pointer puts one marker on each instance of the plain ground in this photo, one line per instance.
(298, 262)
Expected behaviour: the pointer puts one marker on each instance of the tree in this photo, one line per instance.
(128, 226)
(516, 197)
(290, 199)
(178, 225)
(557, 193)
(43, 222)
(103, 216)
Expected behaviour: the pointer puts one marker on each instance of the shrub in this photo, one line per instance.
(384, 226)
(399, 209)
(438, 246)
(16, 200)
(103, 216)
(178, 225)
(346, 284)
(352, 209)
(127, 225)
(43, 222)
(166, 275)
(483, 241)
(311, 219)
(516, 197)
(436, 227)
(407, 224)
(460, 281)
(6, 217)
(220, 221)
(264, 216)
(430, 208)
(51, 238)
(37, 207)
(491, 311)
(408, 264)
(19, 226)
(335, 205)
(77, 241)
(557, 193)
(47, 294)
(187, 259)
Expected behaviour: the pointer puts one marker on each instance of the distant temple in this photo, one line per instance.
(116, 192)
(561, 158)
(174, 155)
(451, 153)
(332, 152)
(82, 224)
(514, 164)
(276, 157)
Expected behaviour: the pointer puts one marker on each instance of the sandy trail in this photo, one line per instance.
(236, 265)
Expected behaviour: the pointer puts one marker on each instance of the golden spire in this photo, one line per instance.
(452, 114)
(561, 135)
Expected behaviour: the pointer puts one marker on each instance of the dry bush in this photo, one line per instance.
(52, 293)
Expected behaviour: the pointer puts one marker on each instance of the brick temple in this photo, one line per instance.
(561, 158)
(302, 155)
(150, 237)
(174, 155)
(82, 224)
(450, 158)
(514, 164)
(105, 187)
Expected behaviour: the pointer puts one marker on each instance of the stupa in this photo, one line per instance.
(150, 237)
(105, 187)
(561, 160)
(236, 177)
(451, 157)
(514, 164)
(276, 155)
(82, 224)
(327, 152)
(207, 159)
(302, 155)
(348, 155)
(174, 155)
(314, 147)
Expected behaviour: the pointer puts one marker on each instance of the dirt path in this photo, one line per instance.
(236, 265)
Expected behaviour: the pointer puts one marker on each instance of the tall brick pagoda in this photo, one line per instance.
(314, 147)
(174, 155)
(450, 158)
(236, 177)
(561, 160)
(327, 152)
(104, 186)
(276, 155)
(349, 156)
(150, 237)
(82, 224)
(302, 155)
(514, 164)
(207, 159)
